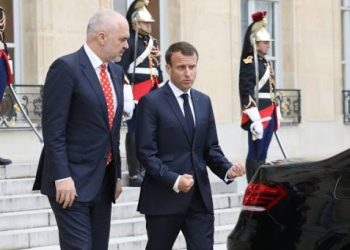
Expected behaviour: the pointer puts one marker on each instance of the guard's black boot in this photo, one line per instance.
(250, 168)
(4, 161)
(135, 176)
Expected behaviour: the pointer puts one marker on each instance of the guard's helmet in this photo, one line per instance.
(256, 32)
(138, 12)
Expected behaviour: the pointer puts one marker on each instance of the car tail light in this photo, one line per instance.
(260, 197)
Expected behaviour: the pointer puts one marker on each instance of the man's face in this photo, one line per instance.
(183, 70)
(116, 42)
(263, 47)
(145, 26)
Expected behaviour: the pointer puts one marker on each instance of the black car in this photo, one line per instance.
(296, 206)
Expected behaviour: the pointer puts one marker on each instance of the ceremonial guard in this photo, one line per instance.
(5, 71)
(142, 74)
(260, 113)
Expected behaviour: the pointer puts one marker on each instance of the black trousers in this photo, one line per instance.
(197, 226)
(85, 225)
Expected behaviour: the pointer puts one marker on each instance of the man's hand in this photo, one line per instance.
(186, 182)
(257, 130)
(65, 192)
(118, 189)
(236, 170)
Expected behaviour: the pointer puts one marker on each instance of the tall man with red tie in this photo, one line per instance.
(79, 168)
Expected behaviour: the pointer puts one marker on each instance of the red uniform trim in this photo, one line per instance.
(266, 112)
(142, 88)
(8, 69)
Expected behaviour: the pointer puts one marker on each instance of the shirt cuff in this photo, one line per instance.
(176, 185)
(227, 179)
(59, 180)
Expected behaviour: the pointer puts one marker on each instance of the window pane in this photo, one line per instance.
(8, 7)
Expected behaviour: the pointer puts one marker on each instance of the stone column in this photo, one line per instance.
(51, 29)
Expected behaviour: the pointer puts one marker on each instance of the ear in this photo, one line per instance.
(168, 69)
(101, 37)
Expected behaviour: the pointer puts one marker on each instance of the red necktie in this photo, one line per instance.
(107, 91)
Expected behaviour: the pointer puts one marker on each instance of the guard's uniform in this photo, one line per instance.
(147, 67)
(247, 86)
(144, 74)
(267, 112)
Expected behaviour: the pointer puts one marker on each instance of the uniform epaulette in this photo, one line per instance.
(248, 60)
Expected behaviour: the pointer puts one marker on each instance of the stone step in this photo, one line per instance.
(23, 170)
(139, 242)
(127, 229)
(43, 216)
(35, 200)
(16, 203)
(18, 179)
(34, 240)
(19, 186)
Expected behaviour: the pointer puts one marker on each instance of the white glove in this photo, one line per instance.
(129, 104)
(256, 127)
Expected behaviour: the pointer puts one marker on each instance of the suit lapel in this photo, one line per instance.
(197, 113)
(118, 90)
(91, 77)
(174, 105)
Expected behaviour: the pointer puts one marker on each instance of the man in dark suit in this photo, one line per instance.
(175, 142)
(79, 168)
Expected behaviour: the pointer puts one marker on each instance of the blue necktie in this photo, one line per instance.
(188, 116)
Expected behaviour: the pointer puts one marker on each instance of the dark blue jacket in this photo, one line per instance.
(76, 134)
(166, 151)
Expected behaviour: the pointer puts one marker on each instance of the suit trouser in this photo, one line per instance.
(85, 225)
(197, 226)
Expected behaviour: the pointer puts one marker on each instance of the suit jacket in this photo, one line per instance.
(166, 151)
(77, 138)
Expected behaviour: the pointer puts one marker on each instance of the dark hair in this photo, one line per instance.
(184, 48)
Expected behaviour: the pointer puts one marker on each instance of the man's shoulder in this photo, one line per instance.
(197, 93)
(154, 95)
(70, 58)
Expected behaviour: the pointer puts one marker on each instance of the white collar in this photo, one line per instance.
(94, 59)
(178, 92)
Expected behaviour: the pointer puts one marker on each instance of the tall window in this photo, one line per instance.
(346, 43)
(272, 7)
(12, 36)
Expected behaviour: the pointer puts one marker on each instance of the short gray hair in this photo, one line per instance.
(102, 21)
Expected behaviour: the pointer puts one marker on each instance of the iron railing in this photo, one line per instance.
(289, 101)
(30, 97)
(346, 106)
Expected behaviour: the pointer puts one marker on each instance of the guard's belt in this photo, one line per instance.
(146, 71)
(265, 95)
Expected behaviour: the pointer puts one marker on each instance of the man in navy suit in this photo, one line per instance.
(176, 140)
(79, 168)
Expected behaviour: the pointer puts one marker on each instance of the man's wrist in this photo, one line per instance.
(64, 179)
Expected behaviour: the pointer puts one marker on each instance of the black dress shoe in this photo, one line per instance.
(5, 161)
